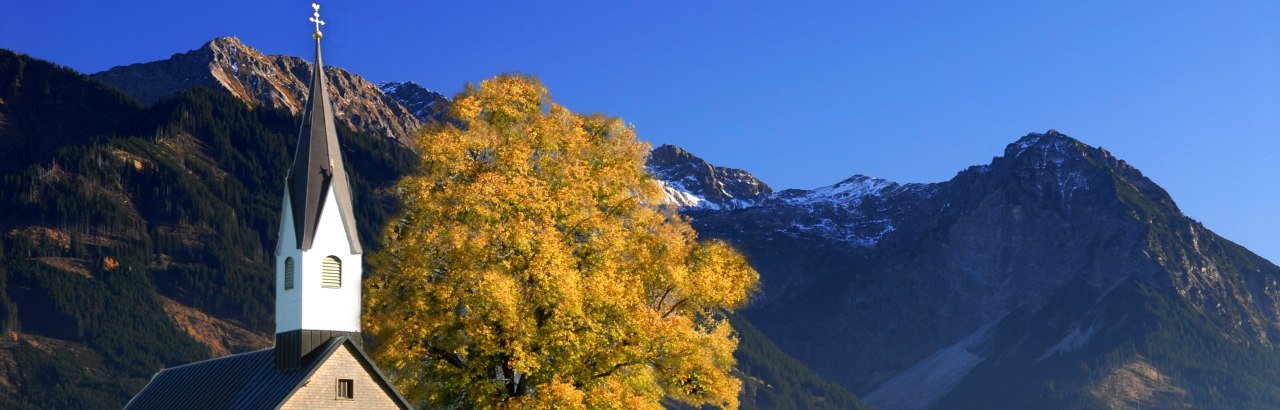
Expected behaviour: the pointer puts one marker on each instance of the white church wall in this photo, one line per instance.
(329, 308)
(288, 302)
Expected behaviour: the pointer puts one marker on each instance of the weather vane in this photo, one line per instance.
(315, 18)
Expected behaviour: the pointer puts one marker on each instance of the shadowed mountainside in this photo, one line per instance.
(1054, 274)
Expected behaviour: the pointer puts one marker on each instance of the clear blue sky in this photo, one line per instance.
(804, 95)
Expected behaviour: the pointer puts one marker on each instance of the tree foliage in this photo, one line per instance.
(534, 266)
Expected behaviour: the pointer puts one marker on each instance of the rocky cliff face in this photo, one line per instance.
(274, 81)
(691, 183)
(424, 104)
(1055, 257)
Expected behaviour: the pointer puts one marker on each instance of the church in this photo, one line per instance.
(318, 360)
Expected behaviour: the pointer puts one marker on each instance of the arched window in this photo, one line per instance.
(288, 273)
(331, 272)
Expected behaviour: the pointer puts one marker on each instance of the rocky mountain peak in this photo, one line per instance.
(274, 81)
(668, 154)
(692, 183)
(1060, 168)
(224, 44)
(424, 104)
(1039, 149)
(1050, 145)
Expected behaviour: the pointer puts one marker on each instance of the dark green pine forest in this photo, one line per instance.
(112, 211)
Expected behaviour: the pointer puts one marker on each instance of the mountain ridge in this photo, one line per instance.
(275, 81)
(992, 245)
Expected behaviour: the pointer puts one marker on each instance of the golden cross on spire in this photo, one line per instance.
(315, 18)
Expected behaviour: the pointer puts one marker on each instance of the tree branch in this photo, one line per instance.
(657, 304)
(451, 358)
(674, 307)
(614, 369)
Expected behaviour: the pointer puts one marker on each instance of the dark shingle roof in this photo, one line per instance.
(242, 381)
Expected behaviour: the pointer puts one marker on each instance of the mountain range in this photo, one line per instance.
(136, 235)
(140, 203)
(1056, 276)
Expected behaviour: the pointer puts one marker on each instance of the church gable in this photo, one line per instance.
(346, 380)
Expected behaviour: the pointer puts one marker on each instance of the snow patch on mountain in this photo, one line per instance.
(1023, 144)
(1050, 156)
(1070, 342)
(852, 211)
(1071, 182)
(856, 211)
(390, 87)
(693, 184)
(863, 234)
(680, 197)
(1053, 147)
(930, 379)
(847, 193)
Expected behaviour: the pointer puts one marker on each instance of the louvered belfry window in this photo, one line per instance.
(331, 272)
(288, 273)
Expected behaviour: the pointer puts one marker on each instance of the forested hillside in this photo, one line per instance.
(122, 220)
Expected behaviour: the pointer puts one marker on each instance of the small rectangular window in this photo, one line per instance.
(346, 389)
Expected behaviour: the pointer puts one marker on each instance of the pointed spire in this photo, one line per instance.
(317, 163)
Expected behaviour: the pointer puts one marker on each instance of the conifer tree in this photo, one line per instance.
(533, 266)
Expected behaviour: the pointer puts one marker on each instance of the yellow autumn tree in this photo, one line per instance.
(533, 266)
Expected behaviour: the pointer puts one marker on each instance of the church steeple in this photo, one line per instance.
(318, 254)
(317, 163)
